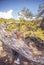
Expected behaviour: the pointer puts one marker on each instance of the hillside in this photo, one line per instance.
(33, 36)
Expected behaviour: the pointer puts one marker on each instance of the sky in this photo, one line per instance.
(10, 8)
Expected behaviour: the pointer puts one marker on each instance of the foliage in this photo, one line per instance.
(24, 13)
(41, 10)
(30, 28)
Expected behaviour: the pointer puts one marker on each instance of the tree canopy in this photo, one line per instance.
(25, 13)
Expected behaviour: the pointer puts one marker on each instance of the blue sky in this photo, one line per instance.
(17, 5)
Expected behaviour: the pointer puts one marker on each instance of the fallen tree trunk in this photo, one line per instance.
(19, 46)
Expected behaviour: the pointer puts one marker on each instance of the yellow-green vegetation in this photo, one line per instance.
(30, 28)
